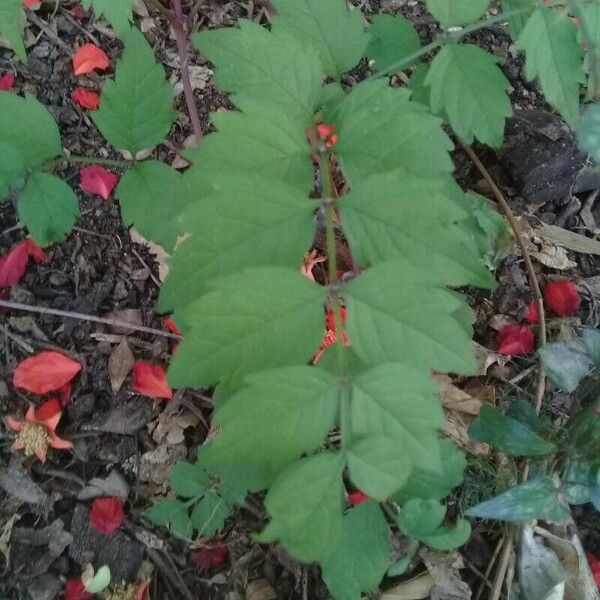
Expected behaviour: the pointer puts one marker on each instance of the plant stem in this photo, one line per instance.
(84, 160)
(452, 36)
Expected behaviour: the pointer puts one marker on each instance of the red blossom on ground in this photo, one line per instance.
(7, 82)
(75, 590)
(14, 264)
(97, 180)
(327, 135)
(38, 431)
(562, 298)
(106, 515)
(86, 98)
(358, 497)
(515, 339)
(45, 372)
(89, 57)
(211, 557)
(595, 568)
(533, 313)
(150, 380)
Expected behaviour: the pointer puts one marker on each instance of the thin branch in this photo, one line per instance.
(502, 568)
(535, 286)
(83, 317)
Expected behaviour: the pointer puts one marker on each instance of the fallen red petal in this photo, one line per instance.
(74, 590)
(356, 498)
(31, 3)
(515, 339)
(7, 82)
(211, 558)
(88, 58)
(86, 98)
(171, 326)
(150, 380)
(45, 372)
(595, 568)
(533, 314)
(106, 515)
(97, 180)
(14, 264)
(48, 409)
(562, 298)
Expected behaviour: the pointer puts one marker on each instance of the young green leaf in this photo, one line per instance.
(446, 538)
(392, 39)
(242, 327)
(118, 13)
(48, 207)
(11, 22)
(415, 311)
(278, 416)
(255, 64)
(172, 514)
(535, 499)
(419, 518)
(209, 515)
(152, 195)
(467, 85)
(457, 12)
(136, 107)
(523, 411)
(25, 148)
(566, 364)
(247, 221)
(361, 555)
(335, 30)
(589, 131)
(508, 435)
(406, 221)
(188, 480)
(305, 504)
(553, 54)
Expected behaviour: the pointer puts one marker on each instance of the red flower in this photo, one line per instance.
(89, 57)
(533, 314)
(45, 372)
(515, 339)
(97, 180)
(326, 133)
(356, 498)
(150, 380)
(38, 431)
(14, 264)
(595, 567)
(86, 98)
(107, 514)
(7, 81)
(74, 590)
(562, 297)
(211, 557)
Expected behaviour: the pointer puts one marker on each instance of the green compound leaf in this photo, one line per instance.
(261, 318)
(48, 207)
(11, 22)
(274, 419)
(173, 514)
(255, 64)
(468, 87)
(24, 148)
(553, 54)
(378, 466)
(136, 108)
(392, 39)
(457, 12)
(209, 515)
(305, 504)
(189, 480)
(412, 218)
(335, 30)
(361, 556)
(397, 313)
(118, 13)
(507, 434)
(245, 222)
(380, 130)
(419, 517)
(400, 403)
(566, 364)
(266, 142)
(589, 131)
(536, 499)
(427, 483)
(152, 195)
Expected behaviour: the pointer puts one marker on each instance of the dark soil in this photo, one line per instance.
(99, 270)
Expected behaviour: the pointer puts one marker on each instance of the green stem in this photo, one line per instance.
(85, 160)
(452, 36)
